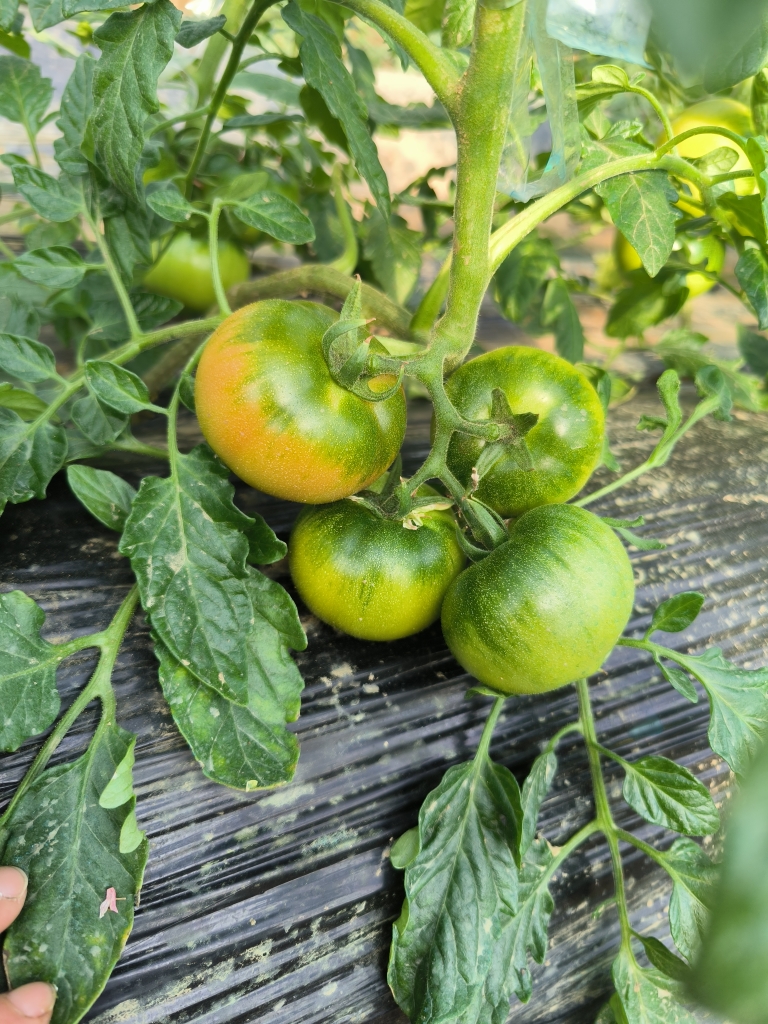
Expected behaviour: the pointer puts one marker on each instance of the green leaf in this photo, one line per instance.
(56, 267)
(28, 694)
(281, 90)
(8, 12)
(395, 256)
(678, 612)
(52, 198)
(76, 106)
(667, 794)
(135, 47)
(48, 454)
(731, 972)
(24, 402)
(277, 216)
(127, 234)
(519, 279)
(188, 547)
(425, 14)
(677, 678)
(535, 788)
(24, 93)
(26, 359)
(116, 387)
(324, 71)
(45, 13)
(244, 747)
(100, 425)
(458, 23)
(257, 120)
(106, 496)
(461, 892)
(69, 845)
(640, 207)
(193, 32)
(405, 850)
(693, 879)
(752, 274)
(559, 311)
(170, 204)
(664, 960)
(15, 449)
(645, 303)
(738, 700)
(13, 41)
(681, 349)
(647, 996)
(275, 605)
(754, 349)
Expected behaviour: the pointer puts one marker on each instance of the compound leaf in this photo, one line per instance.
(647, 996)
(640, 207)
(24, 93)
(667, 794)
(116, 387)
(28, 694)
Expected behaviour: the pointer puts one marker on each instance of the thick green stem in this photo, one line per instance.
(481, 120)
(604, 817)
(433, 62)
(99, 685)
(246, 29)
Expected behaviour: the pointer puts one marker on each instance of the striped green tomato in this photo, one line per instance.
(545, 608)
(371, 577)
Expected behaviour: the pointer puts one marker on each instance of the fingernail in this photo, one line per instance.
(13, 883)
(33, 1000)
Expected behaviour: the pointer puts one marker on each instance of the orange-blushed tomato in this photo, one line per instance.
(546, 607)
(269, 408)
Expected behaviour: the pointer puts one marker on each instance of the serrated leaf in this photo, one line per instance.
(116, 387)
(52, 198)
(276, 215)
(678, 612)
(535, 788)
(752, 273)
(99, 424)
(461, 892)
(69, 845)
(26, 359)
(325, 72)
(667, 794)
(738, 700)
(24, 93)
(188, 549)
(106, 496)
(640, 207)
(75, 109)
(647, 996)
(170, 204)
(693, 881)
(28, 694)
(135, 47)
(244, 747)
(664, 960)
(25, 403)
(58, 266)
(193, 32)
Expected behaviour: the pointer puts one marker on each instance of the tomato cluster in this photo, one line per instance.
(542, 609)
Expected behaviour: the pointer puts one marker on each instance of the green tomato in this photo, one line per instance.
(183, 272)
(546, 607)
(373, 577)
(565, 445)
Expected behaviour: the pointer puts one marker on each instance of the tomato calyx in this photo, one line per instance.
(511, 440)
(383, 500)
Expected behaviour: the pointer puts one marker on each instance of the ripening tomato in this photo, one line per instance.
(697, 250)
(269, 408)
(372, 577)
(183, 272)
(546, 607)
(565, 445)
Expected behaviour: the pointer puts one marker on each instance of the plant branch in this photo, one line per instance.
(347, 262)
(433, 62)
(117, 281)
(191, 116)
(213, 246)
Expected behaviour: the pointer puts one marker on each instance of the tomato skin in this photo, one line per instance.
(545, 608)
(268, 407)
(565, 445)
(722, 112)
(371, 577)
(183, 272)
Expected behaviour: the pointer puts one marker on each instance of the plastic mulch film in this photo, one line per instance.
(518, 176)
(610, 28)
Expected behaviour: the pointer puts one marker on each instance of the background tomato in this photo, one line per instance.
(565, 445)
(697, 250)
(370, 576)
(544, 609)
(268, 406)
(183, 272)
(723, 113)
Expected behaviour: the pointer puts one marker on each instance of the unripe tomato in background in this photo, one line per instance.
(721, 112)
(545, 608)
(696, 250)
(269, 408)
(565, 445)
(183, 272)
(371, 577)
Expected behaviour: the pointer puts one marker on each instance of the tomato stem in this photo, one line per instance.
(213, 246)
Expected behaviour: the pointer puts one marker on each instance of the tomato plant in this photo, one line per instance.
(166, 189)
